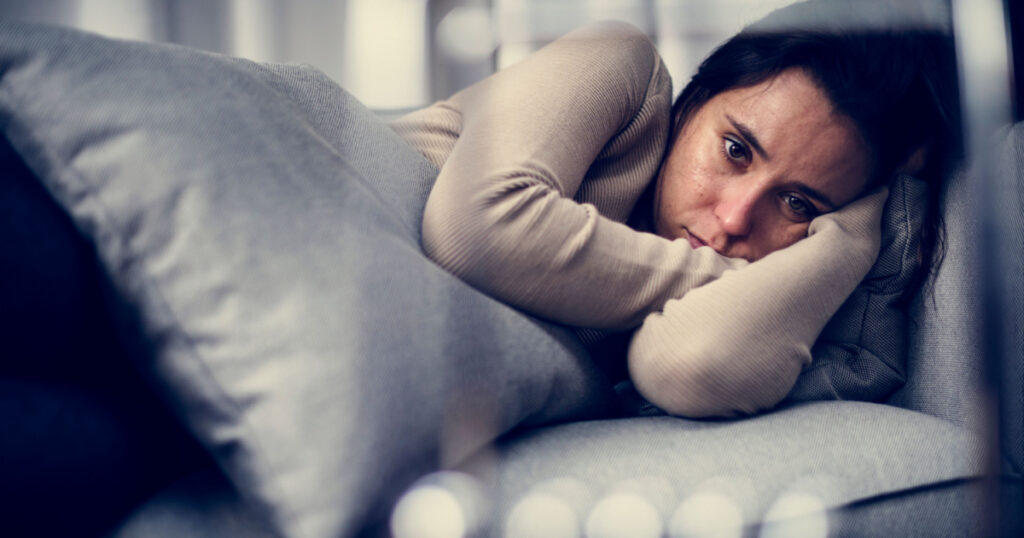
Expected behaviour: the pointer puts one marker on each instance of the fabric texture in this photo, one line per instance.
(81, 431)
(844, 453)
(893, 487)
(862, 352)
(945, 370)
(258, 229)
(1009, 217)
(957, 329)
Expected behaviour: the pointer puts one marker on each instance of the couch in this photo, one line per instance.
(218, 322)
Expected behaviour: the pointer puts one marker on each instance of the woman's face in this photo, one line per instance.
(753, 166)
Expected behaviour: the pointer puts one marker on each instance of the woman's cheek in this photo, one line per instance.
(793, 233)
(700, 183)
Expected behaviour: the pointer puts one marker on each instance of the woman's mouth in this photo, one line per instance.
(695, 241)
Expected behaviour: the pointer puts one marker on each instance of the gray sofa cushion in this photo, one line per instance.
(871, 470)
(950, 341)
(945, 366)
(258, 229)
(1009, 216)
(837, 453)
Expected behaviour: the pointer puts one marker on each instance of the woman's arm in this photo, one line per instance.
(501, 216)
(736, 345)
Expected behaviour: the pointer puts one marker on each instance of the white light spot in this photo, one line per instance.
(541, 514)
(796, 515)
(707, 515)
(428, 512)
(624, 515)
(383, 53)
(129, 19)
(466, 33)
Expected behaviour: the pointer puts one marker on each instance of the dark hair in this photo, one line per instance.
(897, 85)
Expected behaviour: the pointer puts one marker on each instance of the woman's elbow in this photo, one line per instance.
(444, 240)
(703, 384)
(484, 238)
(458, 238)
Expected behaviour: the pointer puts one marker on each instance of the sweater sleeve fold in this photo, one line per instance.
(551, 155)
(737, 345)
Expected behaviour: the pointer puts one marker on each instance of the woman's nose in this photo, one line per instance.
(735, 210)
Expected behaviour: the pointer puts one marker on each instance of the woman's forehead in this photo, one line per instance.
(790, 123)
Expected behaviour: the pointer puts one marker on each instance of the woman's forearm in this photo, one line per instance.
(562, 260)
(583, 120)
(737, 345)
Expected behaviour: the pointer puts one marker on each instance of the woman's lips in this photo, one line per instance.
(695, 241)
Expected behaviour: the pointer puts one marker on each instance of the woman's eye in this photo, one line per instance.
(734, 150)
(798, 205)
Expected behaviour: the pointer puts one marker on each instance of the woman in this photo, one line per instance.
(763, 186)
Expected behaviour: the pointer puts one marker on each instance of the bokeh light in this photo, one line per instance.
(428, 512)
(796, 515)
(466, 33)
(542, 514)
(707, 515)
(623, 515)
(445, 504)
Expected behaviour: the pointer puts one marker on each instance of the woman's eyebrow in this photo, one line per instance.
(807, 190)
(748, 135)
(811, 192)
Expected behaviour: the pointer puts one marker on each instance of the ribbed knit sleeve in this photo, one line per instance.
(541, 164)
(737, 345)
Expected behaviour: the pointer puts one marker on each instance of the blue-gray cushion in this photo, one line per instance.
(258, 228)
(862, 352)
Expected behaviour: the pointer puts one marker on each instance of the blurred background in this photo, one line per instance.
(397, 55)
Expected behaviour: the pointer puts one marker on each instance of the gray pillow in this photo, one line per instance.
(259, 231)
(862, 352)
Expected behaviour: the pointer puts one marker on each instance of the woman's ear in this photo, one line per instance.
(915, 162)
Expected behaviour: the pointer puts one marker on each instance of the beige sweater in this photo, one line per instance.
(540, 166)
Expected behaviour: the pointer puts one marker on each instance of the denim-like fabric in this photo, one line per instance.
(255, 225)
(861, 353)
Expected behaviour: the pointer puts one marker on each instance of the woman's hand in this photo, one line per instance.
(858, 225)
(737, 344)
